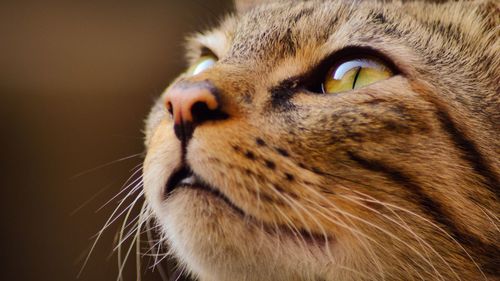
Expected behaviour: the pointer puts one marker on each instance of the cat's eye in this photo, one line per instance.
(355, 73)
(203, 63)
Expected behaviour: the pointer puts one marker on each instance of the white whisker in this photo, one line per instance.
(105, 165)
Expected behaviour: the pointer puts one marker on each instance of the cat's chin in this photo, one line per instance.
(217, 241)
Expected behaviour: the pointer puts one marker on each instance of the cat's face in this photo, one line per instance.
(254, 173)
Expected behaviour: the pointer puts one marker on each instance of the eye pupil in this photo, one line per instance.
(358, 70)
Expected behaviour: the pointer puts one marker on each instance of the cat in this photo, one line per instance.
(333, 140)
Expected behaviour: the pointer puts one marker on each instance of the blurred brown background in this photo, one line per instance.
(77, 79)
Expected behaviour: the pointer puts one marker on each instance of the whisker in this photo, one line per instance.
(114, 217)
(99, 234)
(121, 264)
(391, 235)
(138, 221)
(105, 165)
(407, 228)
(339, 222)
(92, 198)
(487, 213)
(426, 220)
(293, 204)
(354, 231)
(123, 189)
(438, 228)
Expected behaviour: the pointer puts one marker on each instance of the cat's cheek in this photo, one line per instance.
(162, 158)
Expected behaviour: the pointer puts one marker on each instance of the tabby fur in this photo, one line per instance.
(398, 180)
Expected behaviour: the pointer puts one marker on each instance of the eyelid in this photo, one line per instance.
(205, 51)
(353, 53)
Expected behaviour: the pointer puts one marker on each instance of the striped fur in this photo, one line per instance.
(399, 180)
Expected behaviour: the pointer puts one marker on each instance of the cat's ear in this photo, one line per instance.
(245, 5)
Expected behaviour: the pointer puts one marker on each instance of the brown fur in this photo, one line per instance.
(398, 180)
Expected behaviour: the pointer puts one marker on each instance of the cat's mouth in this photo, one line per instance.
(184, 177)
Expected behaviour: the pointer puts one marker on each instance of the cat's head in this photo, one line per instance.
(333, 140)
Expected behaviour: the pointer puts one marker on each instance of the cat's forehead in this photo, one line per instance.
(280, 29)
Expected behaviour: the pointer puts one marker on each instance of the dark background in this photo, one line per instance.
(77, 79)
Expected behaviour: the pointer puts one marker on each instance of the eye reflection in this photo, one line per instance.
(201, 65)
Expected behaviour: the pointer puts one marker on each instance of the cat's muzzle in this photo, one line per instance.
(185, 177)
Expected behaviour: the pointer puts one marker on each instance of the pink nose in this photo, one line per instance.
(180, 102)
(191, 104)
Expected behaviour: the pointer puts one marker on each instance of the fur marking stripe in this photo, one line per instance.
(486, 254)
(470, 153)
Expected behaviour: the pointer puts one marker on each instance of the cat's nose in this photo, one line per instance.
(191, 104)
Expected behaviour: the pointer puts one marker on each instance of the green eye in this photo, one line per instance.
(354, 74)
(202, 64)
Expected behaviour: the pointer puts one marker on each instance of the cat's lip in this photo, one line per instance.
(180, 175)
(184, 177)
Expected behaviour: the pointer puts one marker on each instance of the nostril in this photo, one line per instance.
(170, 108)
(199, 110)
(202, 113)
